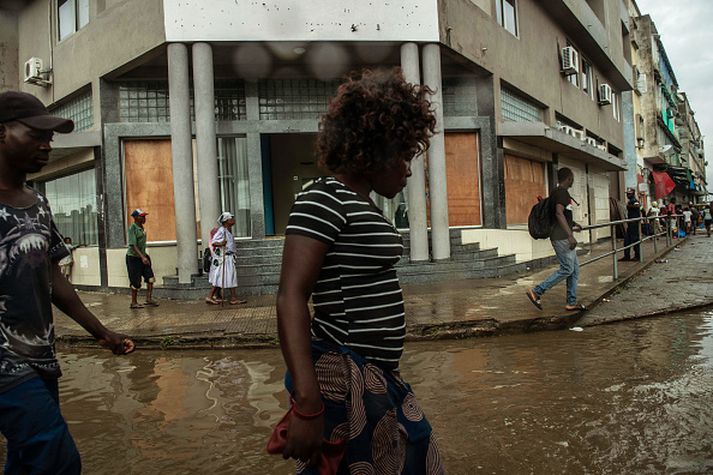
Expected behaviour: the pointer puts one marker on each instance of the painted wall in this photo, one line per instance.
(293, 20)
(509, 241)
(118, 31)
(530, 61)
(163, 259)
(9, 71)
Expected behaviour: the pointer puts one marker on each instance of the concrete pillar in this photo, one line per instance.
(437, 183)
(491, 156)
(179, 102)
(416, 187)
(204, 100)
(255, 169)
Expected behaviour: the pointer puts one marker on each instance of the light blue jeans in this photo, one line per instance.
(569, 269)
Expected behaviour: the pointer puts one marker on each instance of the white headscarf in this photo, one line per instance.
(225, 216)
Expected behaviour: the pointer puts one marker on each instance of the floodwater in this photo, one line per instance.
(634, 397)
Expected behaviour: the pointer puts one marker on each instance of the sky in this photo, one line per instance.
(685, 29)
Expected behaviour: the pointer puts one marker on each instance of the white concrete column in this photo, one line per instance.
(440, 239)
(416, 187)
(179, 102)
(206, 148)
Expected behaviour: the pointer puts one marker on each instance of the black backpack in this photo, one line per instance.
(207, 258)
(541, 218)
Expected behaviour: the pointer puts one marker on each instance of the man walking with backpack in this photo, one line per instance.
(563, 243)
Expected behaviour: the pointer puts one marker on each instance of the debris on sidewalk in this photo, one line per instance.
(661, 261)
(577, 329)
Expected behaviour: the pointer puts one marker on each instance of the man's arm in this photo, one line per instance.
(66, 299)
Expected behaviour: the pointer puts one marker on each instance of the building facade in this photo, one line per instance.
(186, 110)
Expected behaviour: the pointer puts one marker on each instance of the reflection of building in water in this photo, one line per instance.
(263, 387)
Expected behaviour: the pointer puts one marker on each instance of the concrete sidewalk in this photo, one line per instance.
(453, 309)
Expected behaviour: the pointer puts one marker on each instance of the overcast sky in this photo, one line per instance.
(685, 29)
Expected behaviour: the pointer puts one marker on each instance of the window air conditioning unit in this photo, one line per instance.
(567, 130)
(641, 83)
(591, 141)
(605, 94)
(34, 72)
(570, 61)
(602, 147)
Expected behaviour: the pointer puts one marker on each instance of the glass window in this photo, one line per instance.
(295, 98)
(516, 108)
(74, 205)
(587, 79)
(79, 109)
(507, 15)
(234, 182)
(615, 105)
(72, 15)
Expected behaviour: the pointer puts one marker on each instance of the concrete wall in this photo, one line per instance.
(163, 259)
(85, 270)
(117, 33)
(509, 241)
(530, 61)
(9, 68)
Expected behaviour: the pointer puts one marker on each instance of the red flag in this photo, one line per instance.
(664, 184)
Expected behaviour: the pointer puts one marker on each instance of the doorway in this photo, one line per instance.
(289, 162)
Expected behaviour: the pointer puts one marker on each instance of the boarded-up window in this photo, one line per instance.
(462, 172)
(524, 182)
(148, 172)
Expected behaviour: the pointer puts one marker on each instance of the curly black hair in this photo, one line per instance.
(376, 117)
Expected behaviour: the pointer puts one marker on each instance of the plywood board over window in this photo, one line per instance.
(463, 175)
(524, 182)
(148, 174)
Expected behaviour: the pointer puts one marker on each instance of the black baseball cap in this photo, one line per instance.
(27, 109)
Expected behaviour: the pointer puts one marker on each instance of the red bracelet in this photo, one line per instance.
(304, 416)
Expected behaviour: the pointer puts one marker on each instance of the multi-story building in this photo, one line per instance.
(692, 150)
(665, 132)
(185, 109)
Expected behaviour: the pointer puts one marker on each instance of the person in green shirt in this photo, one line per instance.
(138, 263)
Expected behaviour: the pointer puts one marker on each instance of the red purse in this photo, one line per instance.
(332, 452)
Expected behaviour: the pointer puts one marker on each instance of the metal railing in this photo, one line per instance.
(667, 219)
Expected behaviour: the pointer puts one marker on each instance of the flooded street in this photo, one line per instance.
(633, 397)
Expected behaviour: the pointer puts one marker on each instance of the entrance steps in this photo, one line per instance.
(259, 263)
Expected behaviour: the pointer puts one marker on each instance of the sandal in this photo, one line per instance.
(576, 308)
(135, 306)
(150, 303)
(238, 302)
(211, 301)
(534, 298)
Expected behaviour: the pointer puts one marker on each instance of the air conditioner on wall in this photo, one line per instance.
(605, 94)
(34, 72)
(591, 141)
(570, 61)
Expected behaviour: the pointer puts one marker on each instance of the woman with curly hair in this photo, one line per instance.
(340, 250)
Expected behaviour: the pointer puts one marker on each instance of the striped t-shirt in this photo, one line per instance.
(357, 298)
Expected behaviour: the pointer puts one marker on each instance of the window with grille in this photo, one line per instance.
(295, 98)
(79, 109)
(516, 108)
(459, 97)
(147, 101)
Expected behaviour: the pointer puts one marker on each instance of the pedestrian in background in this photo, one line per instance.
(687, 220)
(138, 262)
(564, 244)
(695, 217)
(708, 218)
(223, 273)
(38, 438)
(343, 364)
(654, 221)
(633, 211)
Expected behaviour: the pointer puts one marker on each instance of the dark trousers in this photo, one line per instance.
(632, 235)
(38, 440)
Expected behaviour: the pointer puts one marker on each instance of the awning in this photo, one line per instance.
(663, 183)
(547, 138)
(68, 144)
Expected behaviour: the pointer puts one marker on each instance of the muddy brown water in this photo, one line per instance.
(635, 397)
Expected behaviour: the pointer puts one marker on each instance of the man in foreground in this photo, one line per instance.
(38, 440)
(564, 244)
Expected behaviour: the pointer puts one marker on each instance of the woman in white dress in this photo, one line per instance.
(223, 273)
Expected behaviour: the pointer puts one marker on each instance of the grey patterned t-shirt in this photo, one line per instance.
(29, 244)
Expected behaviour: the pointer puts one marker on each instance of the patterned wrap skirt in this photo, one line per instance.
(375, 411)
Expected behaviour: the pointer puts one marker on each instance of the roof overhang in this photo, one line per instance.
(68, 144)
(541, 135)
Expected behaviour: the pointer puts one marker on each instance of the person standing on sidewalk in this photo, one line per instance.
(633, 211)
(340, 250)
(138, 263)
(564, 244)
(38, 439)
(223, 273)
(687, 220)
(708, 218)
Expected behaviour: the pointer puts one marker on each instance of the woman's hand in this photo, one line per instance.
(304, 439)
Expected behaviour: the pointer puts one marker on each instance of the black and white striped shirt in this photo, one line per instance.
(357, 299)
